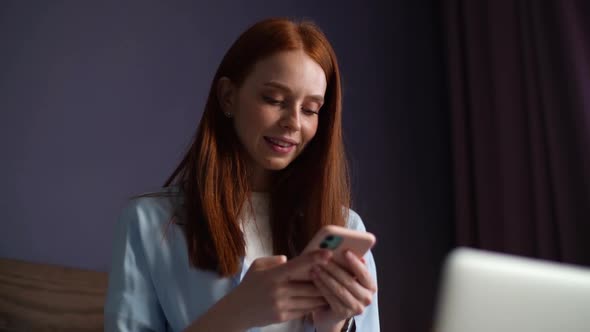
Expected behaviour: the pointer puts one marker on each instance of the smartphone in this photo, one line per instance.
(339, 240)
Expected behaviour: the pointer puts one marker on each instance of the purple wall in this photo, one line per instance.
(98, 101)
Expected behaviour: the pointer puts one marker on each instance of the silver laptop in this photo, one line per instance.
(490, 292)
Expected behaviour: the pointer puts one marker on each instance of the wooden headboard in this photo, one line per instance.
(41, 297)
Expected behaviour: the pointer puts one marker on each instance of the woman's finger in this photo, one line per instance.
(302, 289)
(338, 290)
(360, 271)
(296, 314)
(306, 303)
(347, 280)
(290, 315)
(299, 267)
(335, 303)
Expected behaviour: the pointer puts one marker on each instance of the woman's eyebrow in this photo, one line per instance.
(284, 88)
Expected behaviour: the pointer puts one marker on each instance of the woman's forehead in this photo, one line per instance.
(293, 70)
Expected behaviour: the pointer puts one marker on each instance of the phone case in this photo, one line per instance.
(339, 239)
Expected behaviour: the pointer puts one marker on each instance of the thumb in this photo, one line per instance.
(268, 262)
(300, 265)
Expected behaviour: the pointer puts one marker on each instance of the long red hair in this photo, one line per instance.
(312, 191)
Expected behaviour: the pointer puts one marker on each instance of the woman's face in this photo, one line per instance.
(275, 111)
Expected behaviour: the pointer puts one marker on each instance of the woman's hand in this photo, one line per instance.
(267, 295)
(348, 290)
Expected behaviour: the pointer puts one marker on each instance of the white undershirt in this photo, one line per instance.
(256, 227)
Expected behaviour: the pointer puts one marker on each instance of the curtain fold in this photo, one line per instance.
(519, 80)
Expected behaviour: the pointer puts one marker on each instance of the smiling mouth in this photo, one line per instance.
(278, 146)
(279, 142)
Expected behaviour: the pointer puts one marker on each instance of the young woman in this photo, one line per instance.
(215, 248)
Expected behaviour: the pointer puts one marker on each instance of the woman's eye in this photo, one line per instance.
(310, 112)
(272, 101)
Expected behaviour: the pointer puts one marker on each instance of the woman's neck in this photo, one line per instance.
(260, 180)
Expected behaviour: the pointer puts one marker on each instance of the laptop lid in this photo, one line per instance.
(483, 291)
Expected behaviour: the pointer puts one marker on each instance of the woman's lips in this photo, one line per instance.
(279, 145)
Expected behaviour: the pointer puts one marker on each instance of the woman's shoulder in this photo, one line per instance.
(151, 209)
(354, 221)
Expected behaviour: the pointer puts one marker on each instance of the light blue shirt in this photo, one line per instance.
(152, 286)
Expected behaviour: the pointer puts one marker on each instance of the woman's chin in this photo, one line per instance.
(276, 165)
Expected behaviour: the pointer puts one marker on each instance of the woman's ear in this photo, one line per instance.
(225, 94)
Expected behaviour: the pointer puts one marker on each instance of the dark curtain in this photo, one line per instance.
(519, 79)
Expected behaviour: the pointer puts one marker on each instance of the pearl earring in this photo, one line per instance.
(228, 114)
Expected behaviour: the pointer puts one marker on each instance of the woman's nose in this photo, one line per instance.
(291, 119)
